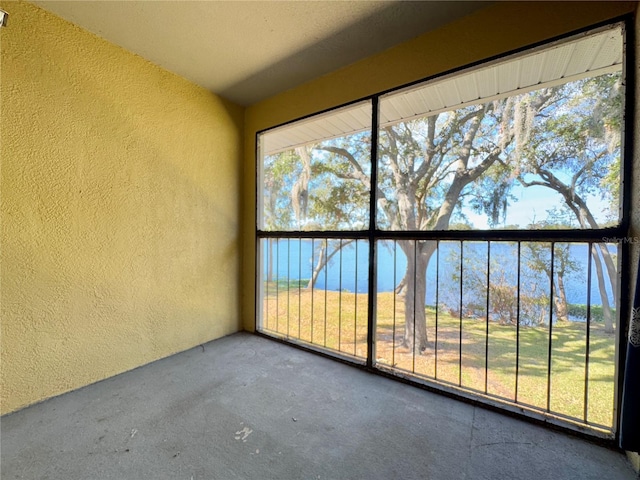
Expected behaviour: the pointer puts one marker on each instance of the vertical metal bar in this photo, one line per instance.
(261, 267)
(588, 336)
(258, 224)
(415, 296)
(355, 314)
(553, 248)
(393, 291)
(340, 299)
(371, 300)
(313, 286)
(435, 363)
(372, 290)
(486, 336)
(288, 282)
(299, 284)
(269, 289)
(460, 332)
(277, 285)
(371, 304)
(518, 323)
(326, 287)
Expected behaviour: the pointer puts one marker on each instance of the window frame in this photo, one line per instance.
(373, 234)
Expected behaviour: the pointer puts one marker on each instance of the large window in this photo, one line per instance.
(461, 232)
(315, 178)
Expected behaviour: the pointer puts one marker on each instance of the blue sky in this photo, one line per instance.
(532, 205)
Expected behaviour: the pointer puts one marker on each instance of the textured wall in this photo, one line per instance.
(120, 209)
(497, 29)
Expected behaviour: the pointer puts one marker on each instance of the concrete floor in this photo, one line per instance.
(250, 408)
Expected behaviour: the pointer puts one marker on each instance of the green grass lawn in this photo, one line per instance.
(338, 321)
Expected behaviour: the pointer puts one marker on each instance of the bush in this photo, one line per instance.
(579, 311)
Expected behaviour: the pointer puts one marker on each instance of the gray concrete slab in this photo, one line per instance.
(249, 408)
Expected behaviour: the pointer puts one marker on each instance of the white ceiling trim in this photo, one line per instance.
(586, 56)
(517, 91)
(327, 126)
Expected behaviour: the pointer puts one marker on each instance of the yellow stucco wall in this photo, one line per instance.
(120, 188)
(500, 28)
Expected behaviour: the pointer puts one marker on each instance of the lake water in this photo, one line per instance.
(348, 269)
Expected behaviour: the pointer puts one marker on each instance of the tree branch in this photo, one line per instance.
(343, 153)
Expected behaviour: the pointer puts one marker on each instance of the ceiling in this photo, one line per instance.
(249, 50)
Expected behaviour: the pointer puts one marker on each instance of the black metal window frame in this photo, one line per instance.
(372, 234)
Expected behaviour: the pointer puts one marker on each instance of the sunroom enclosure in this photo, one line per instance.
(486, 259)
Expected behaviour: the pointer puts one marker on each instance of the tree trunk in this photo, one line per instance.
(606, 309)
(318, 268)
(399, 290)
(559, 296)
(324, 259)
(415, 330)
(611, 268)
(560, 300)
